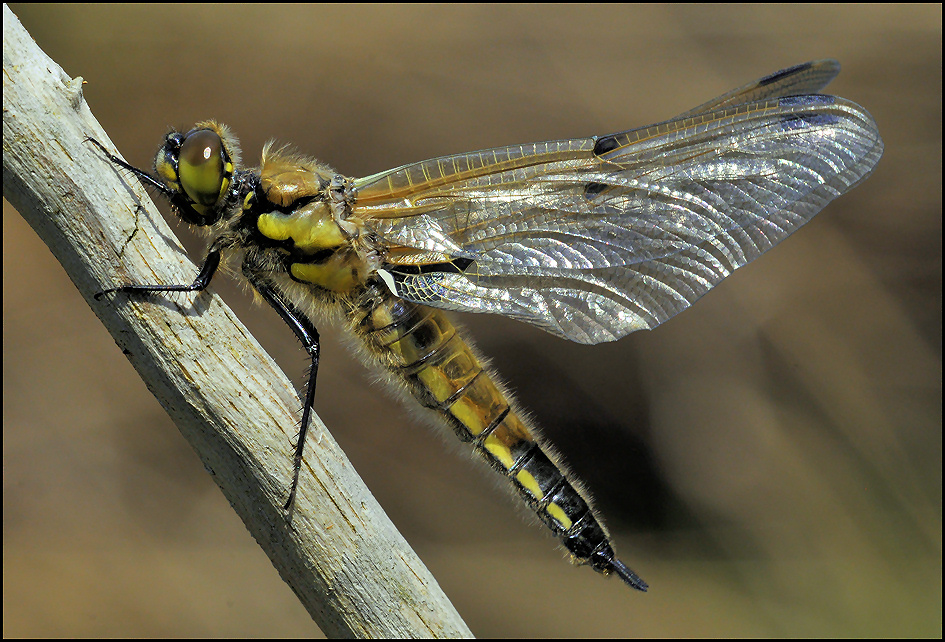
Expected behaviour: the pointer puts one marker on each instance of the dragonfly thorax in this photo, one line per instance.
(321, 251)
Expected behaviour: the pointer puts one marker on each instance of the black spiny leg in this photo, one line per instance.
(210, 265)
(142, 175)
(308, 335)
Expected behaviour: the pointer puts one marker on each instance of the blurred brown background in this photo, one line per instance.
(770, 461)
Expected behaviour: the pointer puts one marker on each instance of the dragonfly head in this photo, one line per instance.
(198, 167)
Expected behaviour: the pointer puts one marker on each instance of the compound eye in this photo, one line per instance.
(201, 167)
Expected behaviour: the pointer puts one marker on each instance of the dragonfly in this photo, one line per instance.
(589, 239)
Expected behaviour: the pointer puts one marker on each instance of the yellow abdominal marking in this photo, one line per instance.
(526, 479)
(429, 348)
(480, 403)
(559, 516)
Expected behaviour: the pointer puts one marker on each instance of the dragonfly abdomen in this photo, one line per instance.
(425, 351)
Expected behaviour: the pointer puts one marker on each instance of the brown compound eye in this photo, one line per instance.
(201, 167)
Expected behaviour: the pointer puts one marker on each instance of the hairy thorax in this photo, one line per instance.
(310, 225)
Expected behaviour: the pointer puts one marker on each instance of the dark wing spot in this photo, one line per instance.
(593, 189)
(804, 121)
(462, 263)
(812, 99)
(456, 266)
(605, 144)
(778, 75)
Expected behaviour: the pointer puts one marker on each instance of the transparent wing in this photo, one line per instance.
(807, 78)
(591, 239)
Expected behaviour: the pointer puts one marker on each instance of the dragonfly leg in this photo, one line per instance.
(207, 270)
(142, 175)
(306, 332)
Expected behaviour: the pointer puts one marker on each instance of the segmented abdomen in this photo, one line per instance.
(423, 349)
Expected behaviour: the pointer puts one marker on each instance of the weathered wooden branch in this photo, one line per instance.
(339, 552)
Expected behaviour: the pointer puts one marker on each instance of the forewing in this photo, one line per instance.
(591, 239)
(807, 78)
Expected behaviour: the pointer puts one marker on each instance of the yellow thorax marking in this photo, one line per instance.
(327, 275)
(311, 228)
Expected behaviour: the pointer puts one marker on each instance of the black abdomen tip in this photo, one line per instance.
(628, 576)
